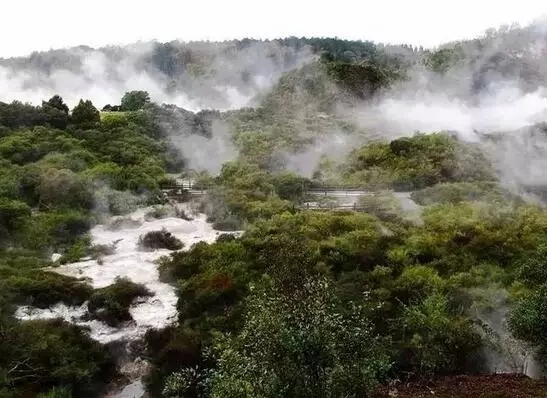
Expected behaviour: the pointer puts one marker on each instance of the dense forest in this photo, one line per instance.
(320, 302)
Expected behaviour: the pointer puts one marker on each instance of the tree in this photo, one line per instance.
(55, 112)
(85, 113)
(528, 320)
(12, 215)
(111, 108)
(56, 102)
(134, 100)
(39, 355)
(308, 347)
(63, 189)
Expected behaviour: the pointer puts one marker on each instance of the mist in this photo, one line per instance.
(206, 153)
(219, 76)
(500, 92)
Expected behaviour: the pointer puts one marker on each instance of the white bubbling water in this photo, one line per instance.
(138, 266)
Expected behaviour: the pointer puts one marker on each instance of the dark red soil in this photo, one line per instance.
(467, 386)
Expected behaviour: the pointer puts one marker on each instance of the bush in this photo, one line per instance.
(230, 223)
(77, 251)
(13, 213)
(158, 212)
(98, 251)
(438, 342)
(384, 205)
(528, 320)
(57, 392)
(41, 355)
(56, 230)
(182, 214)
(134, 100)
(85, 114)
(159, 240)
(300, 345)
(110, 202)
(168, 350)
(111, 304)
(43, 289)
(418, 162)
(457, 192)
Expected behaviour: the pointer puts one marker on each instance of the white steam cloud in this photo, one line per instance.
(496, 89)
(215, 75)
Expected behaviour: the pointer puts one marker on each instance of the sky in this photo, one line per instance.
(37, 25)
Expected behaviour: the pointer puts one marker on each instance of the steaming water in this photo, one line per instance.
(138, 266)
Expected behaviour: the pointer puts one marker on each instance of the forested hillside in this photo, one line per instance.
(297, 294)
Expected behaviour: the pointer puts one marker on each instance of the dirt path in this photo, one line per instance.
(467, 386)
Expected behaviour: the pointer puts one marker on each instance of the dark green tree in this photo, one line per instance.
(56, 102)
(55, 112)
(134, 100)
(85, 113)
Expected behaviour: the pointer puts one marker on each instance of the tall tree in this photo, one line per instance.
(134, 100)
(85, 113)
(55, 112)
(56, 102)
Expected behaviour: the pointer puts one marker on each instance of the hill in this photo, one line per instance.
(301, 301)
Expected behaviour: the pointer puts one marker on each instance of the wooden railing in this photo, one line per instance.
(188, 185)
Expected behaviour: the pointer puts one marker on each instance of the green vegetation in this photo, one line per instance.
(417, 162)
(39, 355)
(458, 192)
(302, 303)
(111, 304)
(134, 100)
(60, 173)
(159, 240)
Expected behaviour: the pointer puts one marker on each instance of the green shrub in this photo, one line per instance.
(57, 230)
(159, 240)
(528, 319)
(384, 205)
(110, 202)
(168, 350)
(77, 251)
(457, 192)
(158, 212)
(43, 289)
(437, 342)
(44, 355)
(417, 162)
(299, 345)
(13, 214)
(231, 223)
(57, 392)
(98, 251)
(111, 304)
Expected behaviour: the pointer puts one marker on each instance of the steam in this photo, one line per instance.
(210, 75)
(506, 109)
(496, 88)
(207, 154)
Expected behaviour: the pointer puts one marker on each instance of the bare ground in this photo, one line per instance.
(467, 386)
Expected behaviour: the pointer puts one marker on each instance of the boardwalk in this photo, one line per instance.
(318, 198)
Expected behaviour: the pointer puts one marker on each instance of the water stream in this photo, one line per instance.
(139, 266)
